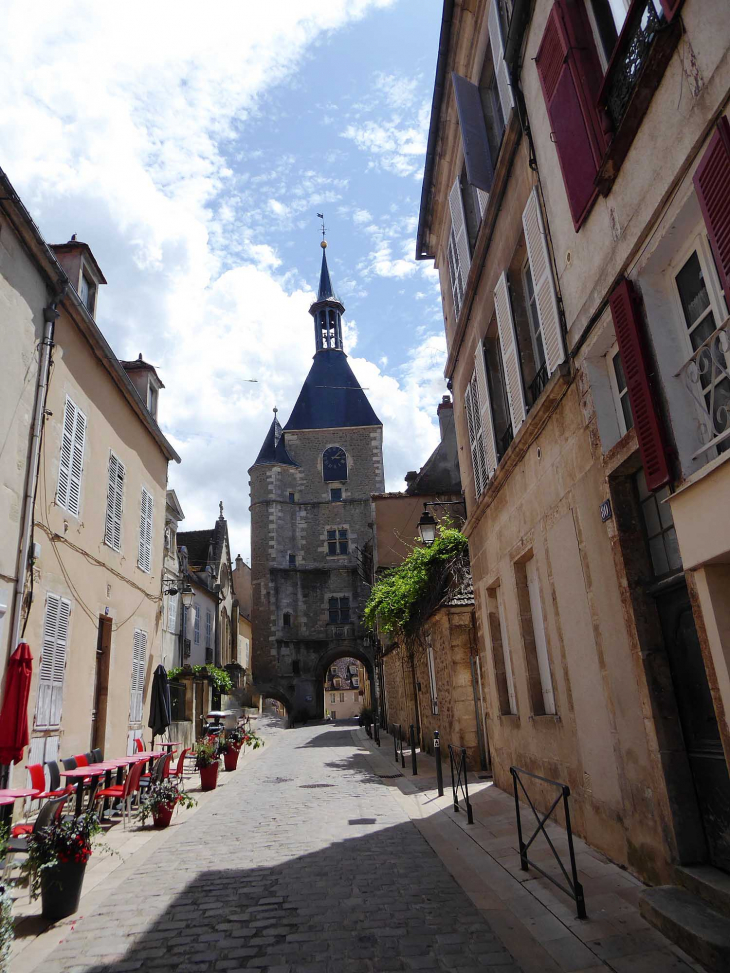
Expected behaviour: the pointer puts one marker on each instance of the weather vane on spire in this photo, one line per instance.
(323, 244)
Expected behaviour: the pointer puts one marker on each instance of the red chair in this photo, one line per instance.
(81, 760)
(139, 744)
(159, 772)
(38, 783)
(178, 773)
(124, 792)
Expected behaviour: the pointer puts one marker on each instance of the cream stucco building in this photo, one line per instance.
(575, 203)
(92, 610)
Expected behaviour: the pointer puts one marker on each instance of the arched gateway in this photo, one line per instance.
(311, 523)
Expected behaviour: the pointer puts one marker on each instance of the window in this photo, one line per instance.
(292, 560)
(497, 391)
(342, 697)
(71, 463)
(208, 628)
(171, 612)
(295, 668)
(334, 464)
(196, 626)
(86, 293)
(114, 507)
(245, 651)
(339, 610)
(533, 317)
(607, 18)
(432, 676)
(491, 106)
(287, 619)
(337, 541)
(144, 559)
(620, 391)
(139, 659)
(152, 400)
(335, 494)
(53, 661)
(291, 497)
(497, 631)
(458, 253)
(539, 680)
(661, 536)
(333, 698)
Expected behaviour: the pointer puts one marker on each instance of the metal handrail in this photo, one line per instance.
(458, 779)
(574, 888)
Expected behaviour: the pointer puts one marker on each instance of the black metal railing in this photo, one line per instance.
(457, 759)
(574, 889)
(538, 383)
(177, 701)
(397, 733)
(631, 53)
(504, 440)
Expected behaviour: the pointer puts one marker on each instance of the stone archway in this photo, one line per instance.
(270, 692)
(332, 655)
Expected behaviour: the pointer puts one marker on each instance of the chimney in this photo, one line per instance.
(445, 412)
(410, 477)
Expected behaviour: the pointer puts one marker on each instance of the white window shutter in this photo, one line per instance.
(510, 353)
(483, 199)
(457, 292)
(139, 659)
(478, 454)
(473, 445)
(485, 408)
(500, 65)
(69, 449)
(458, 225)
(145, 532)
(542, 279)
(53, 661)
(77, 464)
(114, 503)
(171, 613)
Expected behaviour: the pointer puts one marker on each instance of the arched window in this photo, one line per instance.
(334, 464)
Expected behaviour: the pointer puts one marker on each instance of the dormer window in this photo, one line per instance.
(152, 399)
(87, 292)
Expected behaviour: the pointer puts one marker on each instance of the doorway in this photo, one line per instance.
(699, 723)
(101, 683)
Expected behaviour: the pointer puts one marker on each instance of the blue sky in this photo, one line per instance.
(193, 157)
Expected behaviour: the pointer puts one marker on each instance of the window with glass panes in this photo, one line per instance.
(339, 610)
(620, 391)
(661, 536)
(337, 541)
(538, 348)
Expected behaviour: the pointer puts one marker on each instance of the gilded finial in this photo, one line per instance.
(323, 244)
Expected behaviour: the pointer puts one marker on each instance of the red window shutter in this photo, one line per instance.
(628, 325)
(670, 8)
(570, 76)
(712, 185)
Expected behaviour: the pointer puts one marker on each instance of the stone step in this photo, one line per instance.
(688, 922)
(712, 885)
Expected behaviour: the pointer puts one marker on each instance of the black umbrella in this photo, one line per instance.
(160, 705)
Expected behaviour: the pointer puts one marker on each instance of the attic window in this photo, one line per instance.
(86, 293)
(152, 400)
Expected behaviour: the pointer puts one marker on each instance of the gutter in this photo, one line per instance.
(447, 19)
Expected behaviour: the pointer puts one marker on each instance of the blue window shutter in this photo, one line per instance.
(479, 168)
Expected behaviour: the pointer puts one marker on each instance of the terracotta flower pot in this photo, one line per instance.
(230, 759)
(163, 815)
(209, 776)
(61, 889)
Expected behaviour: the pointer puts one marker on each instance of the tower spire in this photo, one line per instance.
(328, 309)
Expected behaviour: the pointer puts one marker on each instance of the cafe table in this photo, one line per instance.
(79, 774)
(170, 745)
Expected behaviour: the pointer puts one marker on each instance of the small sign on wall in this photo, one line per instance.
(606, 511)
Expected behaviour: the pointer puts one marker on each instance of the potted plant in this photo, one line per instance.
(161, 800)
(231, 748)
(207, 751)
(252, 739)
(56, 863)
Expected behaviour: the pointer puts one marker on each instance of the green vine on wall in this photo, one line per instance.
(219, 677)
(398, 600)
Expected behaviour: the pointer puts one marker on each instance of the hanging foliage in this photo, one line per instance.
(402, 599)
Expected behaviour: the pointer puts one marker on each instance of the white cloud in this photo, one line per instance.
(179, 230)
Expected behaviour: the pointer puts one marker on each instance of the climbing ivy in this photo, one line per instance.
(219, 677)
(396, 598)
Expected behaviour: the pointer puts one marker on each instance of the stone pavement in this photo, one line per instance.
(302, 863)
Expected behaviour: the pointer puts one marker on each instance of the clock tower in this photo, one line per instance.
(311, 524)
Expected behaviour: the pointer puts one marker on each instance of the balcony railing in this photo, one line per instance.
(707, 376)
(504, 440)
(629, 58)
(538, 383)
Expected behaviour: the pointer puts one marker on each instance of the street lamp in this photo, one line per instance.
(427, 527)
(185, 591)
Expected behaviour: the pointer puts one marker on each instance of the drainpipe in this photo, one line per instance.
(50, 315)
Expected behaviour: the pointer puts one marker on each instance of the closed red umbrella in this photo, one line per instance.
(14, 735)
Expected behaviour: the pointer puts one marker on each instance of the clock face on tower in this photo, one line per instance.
(334, 464)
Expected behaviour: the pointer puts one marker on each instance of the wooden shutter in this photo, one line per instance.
(712, 185)
(628, 325)
(570, 85)
(482, 199)
(477, 158)
(475, 446)
(670, 8)
(171, 613)
(478, 454)
(53, 661)
(500, 65)
(139, 659)
(454, 274)
(510, 353)
(145, 532)
(546, 299)
(71, 462)
(458, 225)
(485, 409)
(114, 501)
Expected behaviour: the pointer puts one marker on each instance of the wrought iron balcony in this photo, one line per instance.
(504, 440)
(643, 22)
(538, 384)
(707, 376)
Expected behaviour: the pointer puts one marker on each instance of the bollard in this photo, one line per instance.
(439, 769)
(376, 729)
(414, 765)
(402, 755)
(395, 744)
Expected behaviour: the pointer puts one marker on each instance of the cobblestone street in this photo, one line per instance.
(303, 864)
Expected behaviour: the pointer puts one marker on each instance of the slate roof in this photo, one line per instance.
(463, 595)
(326, 291)
(205, 546)
(326, 400)
(274, 448)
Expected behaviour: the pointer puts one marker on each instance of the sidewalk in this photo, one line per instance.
(536, 921)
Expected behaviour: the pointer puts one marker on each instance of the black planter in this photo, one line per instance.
(61, 889)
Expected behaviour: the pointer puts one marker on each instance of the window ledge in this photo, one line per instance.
(510, 718)
(537, 418)
(545, 718)
(645, 86)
